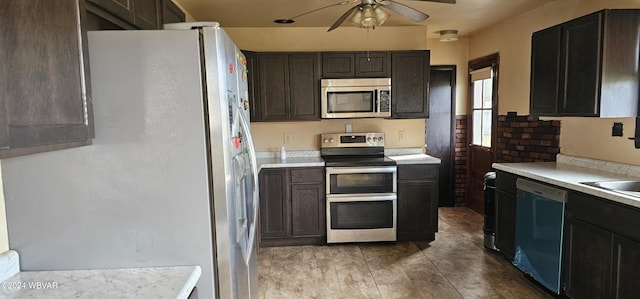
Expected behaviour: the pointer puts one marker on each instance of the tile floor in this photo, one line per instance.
(455, 265)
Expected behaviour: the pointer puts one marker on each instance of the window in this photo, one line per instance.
(481, 110)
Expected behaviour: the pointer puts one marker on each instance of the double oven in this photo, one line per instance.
(360, 188)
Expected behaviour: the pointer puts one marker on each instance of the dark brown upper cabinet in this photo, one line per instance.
(171, 13)
(288, 86)
(587, 66)
(143, 14)
(44, 81)
(410, 84)
(355, 65)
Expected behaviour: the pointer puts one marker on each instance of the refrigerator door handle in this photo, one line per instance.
(254, 170)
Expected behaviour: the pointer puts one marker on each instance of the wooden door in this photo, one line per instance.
(441, 128)
(481, 124)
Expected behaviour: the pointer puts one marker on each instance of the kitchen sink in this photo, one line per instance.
(626, 187)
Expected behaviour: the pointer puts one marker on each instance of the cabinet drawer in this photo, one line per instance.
(307, 175)
(613, 216)
(417, 172)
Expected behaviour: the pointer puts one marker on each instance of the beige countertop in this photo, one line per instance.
(569, 172)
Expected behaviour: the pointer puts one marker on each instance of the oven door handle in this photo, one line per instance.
(368, 169)
(360, 197)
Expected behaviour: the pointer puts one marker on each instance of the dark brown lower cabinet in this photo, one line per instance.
(602, 248)
(505, 240)
(273, 204)
(292, 206)
(588, 261)
(417, 202)
(505, 209)
(626, 267)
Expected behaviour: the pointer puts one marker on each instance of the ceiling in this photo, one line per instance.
(466, 16)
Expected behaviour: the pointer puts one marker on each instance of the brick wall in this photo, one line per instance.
(461, 160)
(527, 139)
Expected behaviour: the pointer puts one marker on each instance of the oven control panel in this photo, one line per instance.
(352, 140)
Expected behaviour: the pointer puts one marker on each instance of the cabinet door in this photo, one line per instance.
(146, 14)
(581, 43)
(417, 202)
(545, 71)
(372, 64)
(417, 205)
(307, 210)
(626, 262)
(506, 223)
(274, 209)
(588, 267)
(120, 8)
(410, 84)
(274, 86)
(44, 83)
(338, 65)
(171, 13)
(304, 89)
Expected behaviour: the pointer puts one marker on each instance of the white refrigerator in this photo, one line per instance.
(171, 177)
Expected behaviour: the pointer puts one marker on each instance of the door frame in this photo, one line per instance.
(452, 122)
(492, 60)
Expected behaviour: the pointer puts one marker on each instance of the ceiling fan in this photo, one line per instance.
(369, 13)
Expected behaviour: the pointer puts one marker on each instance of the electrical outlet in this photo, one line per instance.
(288, 138)
(617, 129)
(401, 135)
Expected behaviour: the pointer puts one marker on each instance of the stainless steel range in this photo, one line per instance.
(360, 188)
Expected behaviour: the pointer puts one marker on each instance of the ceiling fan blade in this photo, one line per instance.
(441, 1)
(342, 18)
(404, 10)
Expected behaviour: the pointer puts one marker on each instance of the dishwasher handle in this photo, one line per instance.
(542, 190)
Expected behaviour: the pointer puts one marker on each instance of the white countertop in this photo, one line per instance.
(153, 282)
(313, 159)
(415, 159)
(290, 162)
(565, 173)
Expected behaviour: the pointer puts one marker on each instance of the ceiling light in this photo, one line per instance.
(448, 35)
(283, 21)
(369, 16)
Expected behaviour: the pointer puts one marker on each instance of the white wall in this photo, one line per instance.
(580, 136)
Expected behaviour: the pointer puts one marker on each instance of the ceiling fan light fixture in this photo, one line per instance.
(381, 15)
(368, 17)
(448, 35)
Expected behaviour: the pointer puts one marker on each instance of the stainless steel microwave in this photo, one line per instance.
(353, 98)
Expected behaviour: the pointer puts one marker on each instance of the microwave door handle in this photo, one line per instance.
(376, 103)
